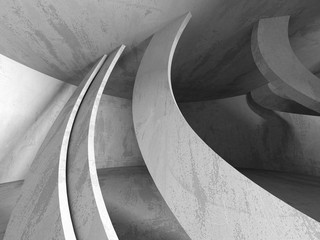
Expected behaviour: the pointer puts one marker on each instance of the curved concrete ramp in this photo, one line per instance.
(89, 215)
(210, 198)
(278, 63)
(42, 210)
(266, 98)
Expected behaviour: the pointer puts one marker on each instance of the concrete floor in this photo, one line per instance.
(138, 211)
(9, 193)
(136, 208)
(300, 191)
(135, 205)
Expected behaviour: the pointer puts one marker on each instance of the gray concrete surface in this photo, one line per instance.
(300, 191)
(9, 193)
(209, 197)
(265, 97)
(86, 208)
(42, 210)
(278, 63)
(136, 207)
(64, 38)
(260, 138)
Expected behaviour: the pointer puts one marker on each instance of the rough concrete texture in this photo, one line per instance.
(267, 98)
(135, 205)
(115, 141)
(279, 65)
(42, 210)
(300, 191)
(63, 38)
(9, 193)
(260, 138)
(27, 113)
(136, 208)
(82, 181)
(210, 199)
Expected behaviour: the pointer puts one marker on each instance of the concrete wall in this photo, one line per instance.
(30, 101)
(248, 136)
(29, 104)
(115, 141)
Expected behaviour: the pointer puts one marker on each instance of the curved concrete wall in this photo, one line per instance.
(42, 210)
(265, 97)
(27, 114)
(89, 217)
(278, 63)
(209, 197)
(260, 138)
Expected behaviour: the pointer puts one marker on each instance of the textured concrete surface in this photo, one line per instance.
(260, 138)
(267, 98)
(138, 211)
(37, 214)
(63, 39)
(9, 193)
(69, 226)
(27, 112)
(115, 141)
(136, 207)
(90, 220)
(300, 191)
(209, 197)
(278, 63)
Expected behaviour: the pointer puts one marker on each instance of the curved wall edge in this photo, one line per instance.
(209, 197)
(82, 181)
(274, 57)
(104, 216)
(62, 184)
(37, 212)
(265, 97)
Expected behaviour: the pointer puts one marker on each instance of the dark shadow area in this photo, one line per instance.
(136, 207)
(249, 136)
(243, 137)
(267, 99)
(300, 191)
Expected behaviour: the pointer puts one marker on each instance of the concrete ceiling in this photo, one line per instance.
(213, 60)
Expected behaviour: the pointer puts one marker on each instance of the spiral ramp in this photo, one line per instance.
(190, 192)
